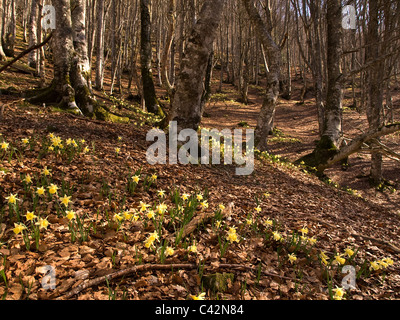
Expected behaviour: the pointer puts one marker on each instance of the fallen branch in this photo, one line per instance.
(356, 144)
(148, 267)
(25, 52)
(203, 217)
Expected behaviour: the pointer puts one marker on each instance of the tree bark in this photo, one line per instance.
(186, 106)
(100, 45)
(267, 114)
(149, 91)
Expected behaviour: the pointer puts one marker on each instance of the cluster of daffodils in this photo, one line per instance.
(232, 235)
(149, 243)
(380, 264)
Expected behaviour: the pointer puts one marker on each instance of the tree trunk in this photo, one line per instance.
(267, 114)
(332, 130)
(33, 56)
(100, 45)
(149, 91)
(2, 54)
(70, 87)
(186, 106)
(375, 87)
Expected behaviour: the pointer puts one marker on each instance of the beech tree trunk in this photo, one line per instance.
(2, 54)
(273, 52)
(32, 34)
(186, 106)
(375, 85)
(149, 91)
(100, 45)
(71, 86)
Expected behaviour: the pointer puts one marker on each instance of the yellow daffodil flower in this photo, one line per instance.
(65, 200)
(30, 216)
(43, 223)
(348, 252)
(135, 179)
(18, 228)
(4, 145)
(40, 191)
(12, 199)
(53, 189)
(339, 293)
(169, 251)
(201, 296)
(70, 215)
(292, 258)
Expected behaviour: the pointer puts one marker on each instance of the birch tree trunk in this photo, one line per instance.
(267, 113)
(186, 106)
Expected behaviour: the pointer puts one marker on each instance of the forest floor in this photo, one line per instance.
(279, 233)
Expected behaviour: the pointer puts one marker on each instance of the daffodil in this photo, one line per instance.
(46, 171)
(349, 252)
(71, 215)
(12, 199)
(389, 261)
(339, 259)
(258, 209)
(28, 179)
(25, 140)
(65, 200)
(201, 296)
(169, 251)
(161, 208)
(292, 258)
(18, 228)
(161, 193)
(127, 215)
(43, 223)
(143, 206)
(135, 179)
(221, 207)
(218, 224)
(30, 216)
(304, 231)
(312, 241)
(249, 221)
(339, 293)
(199, 197)
(4, 145)
(118, 217)
(53, 189)
(204, 204)
(153, 177)
(40, 191)
(192, 248)
(268, 222)
(374, 265)
(185, 196)
(277, 236)
(383, 264)
(86, 149)
(150, 214)
(117, 150)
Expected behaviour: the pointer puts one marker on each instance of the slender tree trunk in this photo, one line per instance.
(2, 54)
(186, 106)
(267, 114)
(149, 92)
(100, 45)
(375, 85)
(33, 56)
(332, 130)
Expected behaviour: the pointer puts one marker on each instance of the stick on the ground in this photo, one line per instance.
(25, 52)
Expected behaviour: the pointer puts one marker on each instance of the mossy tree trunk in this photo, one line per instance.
(332, 135)
(71, 87)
